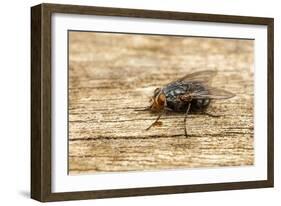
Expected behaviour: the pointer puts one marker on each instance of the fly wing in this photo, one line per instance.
(211, 93)
(201, 76)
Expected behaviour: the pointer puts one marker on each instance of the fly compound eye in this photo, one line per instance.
(161, 99)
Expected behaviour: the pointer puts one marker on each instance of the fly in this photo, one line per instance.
(189, 94)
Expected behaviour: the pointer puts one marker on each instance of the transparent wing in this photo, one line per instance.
(211, 93)
(201, 76)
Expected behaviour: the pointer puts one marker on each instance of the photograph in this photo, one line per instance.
(152, 102)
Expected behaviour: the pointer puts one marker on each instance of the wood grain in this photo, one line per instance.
(112, 75)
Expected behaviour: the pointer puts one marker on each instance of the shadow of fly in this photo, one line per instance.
(189, 94)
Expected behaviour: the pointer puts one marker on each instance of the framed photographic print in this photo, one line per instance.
(132, 102)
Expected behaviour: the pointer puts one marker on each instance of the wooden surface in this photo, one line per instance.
(111, 75)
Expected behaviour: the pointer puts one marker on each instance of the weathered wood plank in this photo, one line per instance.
(112, 75)
(171, 152)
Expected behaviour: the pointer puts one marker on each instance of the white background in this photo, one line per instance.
(62, 182)
(15, 103)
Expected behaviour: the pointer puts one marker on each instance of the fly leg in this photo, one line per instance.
(211, 114)
(155, 121)
(144, 109)
(185, 117)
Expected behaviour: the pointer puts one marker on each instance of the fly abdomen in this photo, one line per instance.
(199, 105)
